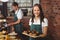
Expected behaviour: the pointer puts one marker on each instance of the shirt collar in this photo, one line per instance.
(16, 11)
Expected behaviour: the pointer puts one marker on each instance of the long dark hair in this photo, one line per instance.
(41, 13)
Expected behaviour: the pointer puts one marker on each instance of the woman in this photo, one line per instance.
(17, 19)
(38, 23)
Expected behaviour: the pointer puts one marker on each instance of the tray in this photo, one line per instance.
(30, 35)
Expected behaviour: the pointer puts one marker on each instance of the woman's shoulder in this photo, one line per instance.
(30, 19)
(45, 19)
(20, 9)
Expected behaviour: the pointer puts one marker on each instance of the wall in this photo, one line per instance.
(35, 1)
(51, 10)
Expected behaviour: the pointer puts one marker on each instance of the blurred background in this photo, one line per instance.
(51, 9)
(25, 5)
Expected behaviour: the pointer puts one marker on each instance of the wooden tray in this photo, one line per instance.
(30, 35)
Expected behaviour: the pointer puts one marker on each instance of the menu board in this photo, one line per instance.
(24, 3)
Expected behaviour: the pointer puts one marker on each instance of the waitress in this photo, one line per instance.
(38, 23)
(17, 19)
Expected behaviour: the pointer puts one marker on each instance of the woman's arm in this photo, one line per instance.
(13, 23)
(44, 32)
(19, 17)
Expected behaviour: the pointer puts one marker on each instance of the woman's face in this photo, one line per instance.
(36, 11)
(14, 7)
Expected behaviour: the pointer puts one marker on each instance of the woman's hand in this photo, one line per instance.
(10, 24)
(42, 35)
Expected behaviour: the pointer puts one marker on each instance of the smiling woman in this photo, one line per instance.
(38, 23)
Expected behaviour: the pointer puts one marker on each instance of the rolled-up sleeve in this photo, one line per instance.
(20, 14)
(30, 22)
(45, 23)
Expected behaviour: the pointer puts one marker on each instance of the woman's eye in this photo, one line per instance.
(34, 10)
(38, 10)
